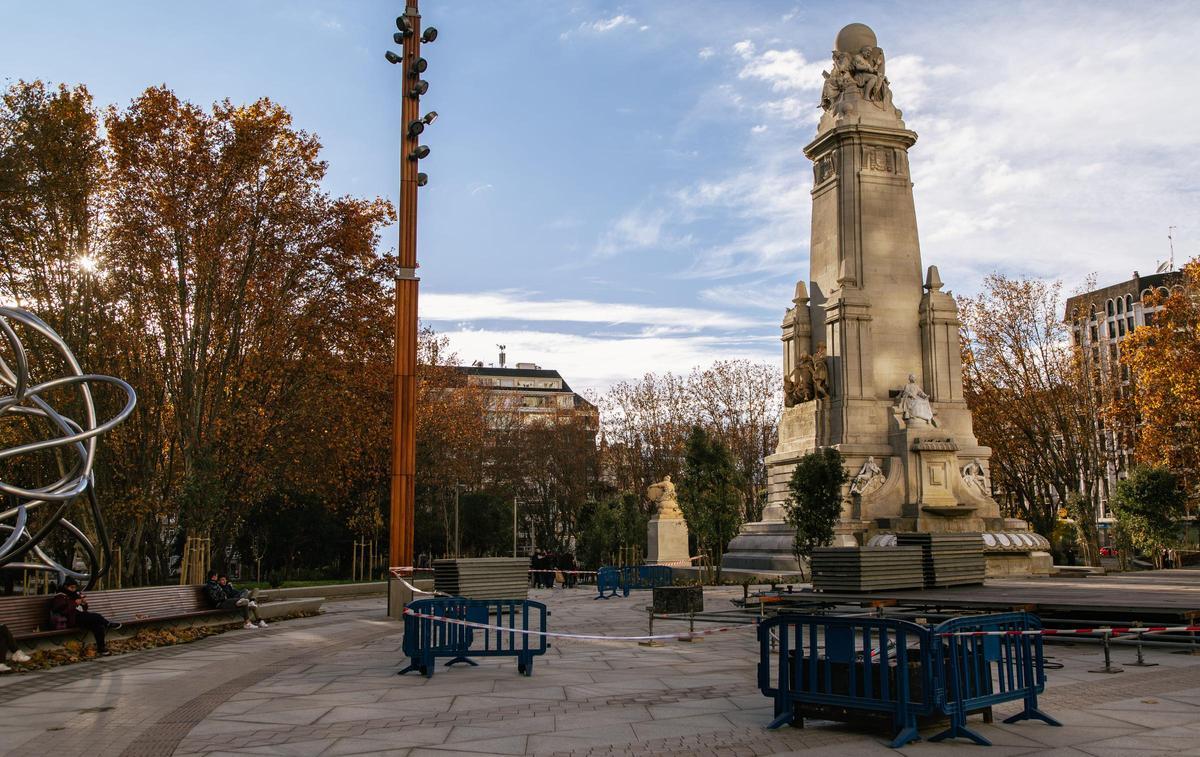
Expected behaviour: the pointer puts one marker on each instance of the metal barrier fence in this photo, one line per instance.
(428, 634)
(845, 668)
(610, 580)
(1001, 664)
(829, 665)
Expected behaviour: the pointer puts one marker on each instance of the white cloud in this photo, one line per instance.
(758, 128)
(638, 229)
(518, 306)
(603, 26)
(706, 53)
(608, 24)
(481, 187)
(784, 70)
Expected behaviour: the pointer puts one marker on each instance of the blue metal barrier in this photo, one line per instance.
(432, 636)
(611, 580)
(608, 582)
(829, 666)
(646, 577)
(842, 668)
(981, 671)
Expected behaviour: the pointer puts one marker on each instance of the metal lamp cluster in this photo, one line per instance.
(417, 88)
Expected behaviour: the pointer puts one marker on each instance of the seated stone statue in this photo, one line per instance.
(662, 494)
(914, 402)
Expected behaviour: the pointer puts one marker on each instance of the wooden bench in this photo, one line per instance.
(29, 617)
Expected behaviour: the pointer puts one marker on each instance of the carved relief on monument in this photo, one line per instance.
(881, 159)
(975, 478)
(824, 167)
(868, 479)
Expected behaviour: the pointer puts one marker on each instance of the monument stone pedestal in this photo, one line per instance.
(764, 546)
(871, 354)
(667, 541)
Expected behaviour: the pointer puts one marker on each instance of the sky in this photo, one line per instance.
(618, 188)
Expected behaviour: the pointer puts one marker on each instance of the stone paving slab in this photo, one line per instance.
(327, 686)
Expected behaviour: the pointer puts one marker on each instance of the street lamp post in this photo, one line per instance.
(400, 523)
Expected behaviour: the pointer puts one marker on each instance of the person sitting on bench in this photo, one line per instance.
(243, 599)
(69, 609)
(220, 600)
(9, 644)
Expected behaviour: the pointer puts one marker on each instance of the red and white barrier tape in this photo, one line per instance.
(588, 636)
(564, 572)
(1078, 631)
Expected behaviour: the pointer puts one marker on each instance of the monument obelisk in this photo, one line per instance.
(871, 348)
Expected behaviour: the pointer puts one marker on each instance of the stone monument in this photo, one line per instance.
(870, 348)
(667, 532)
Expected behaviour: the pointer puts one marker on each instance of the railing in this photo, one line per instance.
(824, 664)
(987, 660)
(610, 581)
(428, 635)
(846, 668)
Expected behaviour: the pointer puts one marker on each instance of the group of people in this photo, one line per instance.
(69, 609)
(545, 568)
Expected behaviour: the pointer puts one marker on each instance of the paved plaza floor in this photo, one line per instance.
(327, 686)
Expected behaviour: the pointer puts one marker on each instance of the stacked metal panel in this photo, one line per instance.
(483, 577)
(948, 559)
(866, 568)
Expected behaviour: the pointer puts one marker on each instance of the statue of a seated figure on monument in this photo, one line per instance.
(919, 465)
(914, 403)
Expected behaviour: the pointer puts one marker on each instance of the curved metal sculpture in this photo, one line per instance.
(74, 442)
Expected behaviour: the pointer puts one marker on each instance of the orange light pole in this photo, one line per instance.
(400, 523)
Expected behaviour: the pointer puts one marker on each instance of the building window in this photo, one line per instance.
(1148, 318)
(1121, 327)
(1129, 323)
(1120, 306)
(1095, 333)
(1129, 303)
(1109, 306)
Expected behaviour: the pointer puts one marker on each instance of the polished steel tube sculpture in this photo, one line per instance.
(72, 439)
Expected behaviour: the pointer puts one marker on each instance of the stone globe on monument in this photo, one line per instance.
(870, 348)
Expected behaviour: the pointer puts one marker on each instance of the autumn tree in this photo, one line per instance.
(1164, 360)
(646, 424)
(1033, 402)
(194, 253)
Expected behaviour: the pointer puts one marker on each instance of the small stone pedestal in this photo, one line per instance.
(667, 541)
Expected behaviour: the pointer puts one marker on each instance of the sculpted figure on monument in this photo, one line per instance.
(974, 477)
(820, 373)
(798, 387)
(914, 402)
(838, 80)
(857, 75)
(867, 68)
(870, 477)
(662, 494)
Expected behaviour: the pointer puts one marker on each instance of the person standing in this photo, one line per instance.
(70, 608)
